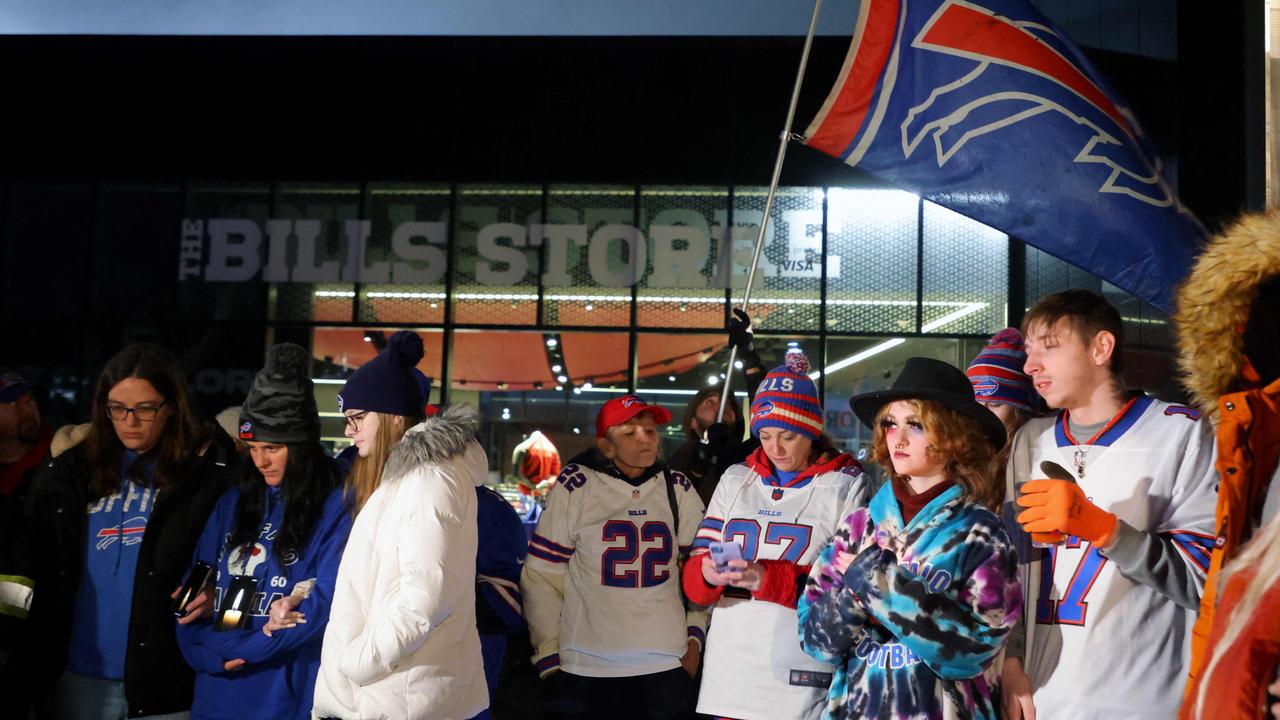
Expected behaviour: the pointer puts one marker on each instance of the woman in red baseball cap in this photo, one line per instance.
(601, 583)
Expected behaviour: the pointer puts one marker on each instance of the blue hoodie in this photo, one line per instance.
(278, 679)
(104, 600)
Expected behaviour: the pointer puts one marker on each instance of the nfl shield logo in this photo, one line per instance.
(777, 493)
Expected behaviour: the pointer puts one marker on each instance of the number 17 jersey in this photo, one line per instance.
(1102, 641)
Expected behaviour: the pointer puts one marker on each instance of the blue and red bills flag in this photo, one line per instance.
(984, 107)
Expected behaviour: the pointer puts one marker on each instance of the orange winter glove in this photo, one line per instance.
(1061, 506)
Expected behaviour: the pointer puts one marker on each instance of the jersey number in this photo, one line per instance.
(650, 543)
(747, 534)
(1072, 608)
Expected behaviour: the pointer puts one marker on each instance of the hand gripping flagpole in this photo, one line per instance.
(768, 203)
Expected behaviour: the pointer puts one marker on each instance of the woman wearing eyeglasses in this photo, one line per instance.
(401, 640)
(115, 520)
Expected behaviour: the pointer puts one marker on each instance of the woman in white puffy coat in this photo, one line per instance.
(401, 641)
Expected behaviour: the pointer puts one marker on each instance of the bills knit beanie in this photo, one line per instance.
(996, 374)
(281, 406)
(788, 399)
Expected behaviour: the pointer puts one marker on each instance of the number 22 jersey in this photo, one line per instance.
(601, 584)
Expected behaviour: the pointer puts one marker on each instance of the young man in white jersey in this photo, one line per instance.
(1128, 527)
(601, 585)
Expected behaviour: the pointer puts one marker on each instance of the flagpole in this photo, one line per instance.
(768, 203)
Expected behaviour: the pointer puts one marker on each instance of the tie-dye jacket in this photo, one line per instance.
(914, 624)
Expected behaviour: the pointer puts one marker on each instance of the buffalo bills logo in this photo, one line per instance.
(246, 430)
(128, 533)
(762, 410)
(1021, 70)
(631, 400)
(984, 388)
(340, 404)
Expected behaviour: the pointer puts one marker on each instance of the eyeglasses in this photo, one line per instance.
(144, 413)
(354, 419)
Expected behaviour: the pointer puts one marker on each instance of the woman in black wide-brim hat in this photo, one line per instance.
(916, 593)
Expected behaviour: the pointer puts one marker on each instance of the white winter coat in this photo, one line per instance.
(402, 640)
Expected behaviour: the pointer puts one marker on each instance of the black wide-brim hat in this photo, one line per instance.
(936, 381)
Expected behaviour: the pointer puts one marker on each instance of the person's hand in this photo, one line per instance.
(715, 577)
(712, 446)
(750, 575)
(691, 658)
(1015, 686)
(740, 334)
(1061, 506)
(199, 606)
(233, 665)
(284, 615)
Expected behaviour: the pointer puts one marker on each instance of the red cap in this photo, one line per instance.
(622, 409)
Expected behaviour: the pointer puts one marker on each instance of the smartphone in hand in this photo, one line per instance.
(723, 552)
(200, 575)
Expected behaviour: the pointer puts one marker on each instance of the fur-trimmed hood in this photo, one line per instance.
(1214, 303)
(433, 441)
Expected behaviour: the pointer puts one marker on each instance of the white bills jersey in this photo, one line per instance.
(1108, 632)
(755, 668)
(601, 584)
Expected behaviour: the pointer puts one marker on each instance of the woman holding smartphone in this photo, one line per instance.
(777, 510)
(280, 532)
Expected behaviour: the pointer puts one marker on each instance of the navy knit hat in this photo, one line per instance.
(788, 399)
(281, 407)
(387, 384)
(996, 374)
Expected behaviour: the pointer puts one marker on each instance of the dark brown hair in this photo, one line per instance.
(1087, 313)
(181, 439)
(954, 440)
(309, 477)
(691, 411)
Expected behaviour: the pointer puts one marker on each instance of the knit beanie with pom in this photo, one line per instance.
(788, 399)
(387, 383)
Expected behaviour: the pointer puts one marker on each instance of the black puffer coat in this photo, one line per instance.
(157, 680)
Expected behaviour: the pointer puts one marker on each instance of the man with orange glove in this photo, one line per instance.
(1127, 514)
